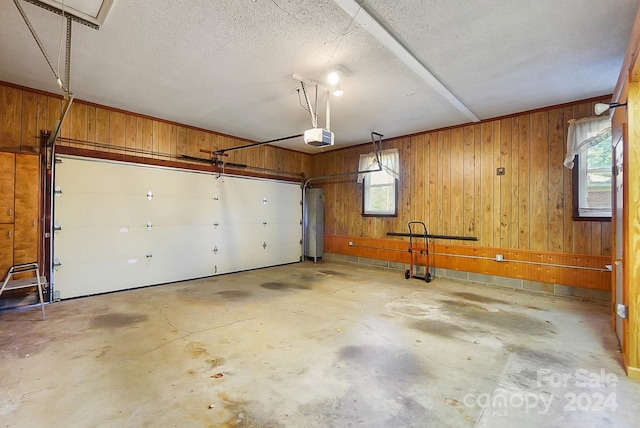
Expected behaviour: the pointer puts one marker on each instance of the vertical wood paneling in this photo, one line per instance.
(78, 126)
(102, 126)
(505, 183)
(468, 181)
(438, 221)
(556, 185)
(54, 106)
(27, 207)
(29, 129)
(164, 139)
(567, 191)
(131, 133)
(10, 120)
(147, 138)
(486, 184)
(496, 183)
(457, 182)
(524, 164)
(181, 144)
(91, 124)
(446, 183)
(477, 180)
(514, 213)
(539, 176)
(43, 105)
(117, 132)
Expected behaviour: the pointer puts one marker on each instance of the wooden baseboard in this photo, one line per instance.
(578, 270)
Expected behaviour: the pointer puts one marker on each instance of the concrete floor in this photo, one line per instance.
(315, 345)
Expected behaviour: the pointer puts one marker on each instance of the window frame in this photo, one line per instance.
(579, 176)
(366, 185)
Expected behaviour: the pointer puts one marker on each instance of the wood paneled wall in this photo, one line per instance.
(449, 181)
(24, 112)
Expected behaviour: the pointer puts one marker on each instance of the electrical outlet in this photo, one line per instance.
(350, 243)
(500, 171)
(499, 258)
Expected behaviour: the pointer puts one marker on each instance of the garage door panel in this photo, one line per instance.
(192, 225)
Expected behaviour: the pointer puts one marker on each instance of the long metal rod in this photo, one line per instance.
(314, 117)
(58, 125)
(67, 56)
(417, 235)
(247, 146)
(37, 39)
(487, 258)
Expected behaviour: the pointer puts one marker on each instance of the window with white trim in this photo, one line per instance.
(589, 154)
(594, 180)
(380, 186)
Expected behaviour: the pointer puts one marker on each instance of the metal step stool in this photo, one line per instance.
(16, 284)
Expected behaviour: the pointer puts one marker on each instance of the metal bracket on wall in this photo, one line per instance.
(622, 310)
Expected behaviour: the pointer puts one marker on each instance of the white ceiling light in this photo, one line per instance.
(334, 77)
(337, 91)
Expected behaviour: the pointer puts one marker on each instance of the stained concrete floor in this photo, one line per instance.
(314, 345)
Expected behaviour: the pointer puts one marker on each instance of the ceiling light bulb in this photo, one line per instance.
(337, 92)
(333, 78)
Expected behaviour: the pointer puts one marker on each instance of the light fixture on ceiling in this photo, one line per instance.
(337, 90)
(600, 108)
(333, 78)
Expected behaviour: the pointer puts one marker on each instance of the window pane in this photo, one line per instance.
(379, 194)
(593, 179)
(381, 199)
(599, 156)
(599, 190)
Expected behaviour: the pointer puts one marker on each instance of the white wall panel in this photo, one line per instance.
(115, 237)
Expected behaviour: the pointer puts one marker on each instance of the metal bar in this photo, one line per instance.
(418, 235)
(35, 37)
(213, 161)
(67, 56)
(247, 146)
(58, 125)
(314, 117)
(488, 258)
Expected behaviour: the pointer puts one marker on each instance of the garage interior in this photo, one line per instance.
(226, 237)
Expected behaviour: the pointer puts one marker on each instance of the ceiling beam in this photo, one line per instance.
(361, 16)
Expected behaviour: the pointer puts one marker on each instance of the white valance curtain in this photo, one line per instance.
(585, 133)
(389, 161)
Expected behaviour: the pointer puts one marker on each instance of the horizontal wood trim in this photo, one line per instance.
(598, 99)
(116, 110)
(118, 157)
(442, 256)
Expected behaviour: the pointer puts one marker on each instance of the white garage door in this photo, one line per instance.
(123, 226)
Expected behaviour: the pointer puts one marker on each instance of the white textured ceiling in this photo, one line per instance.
(226, 65)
